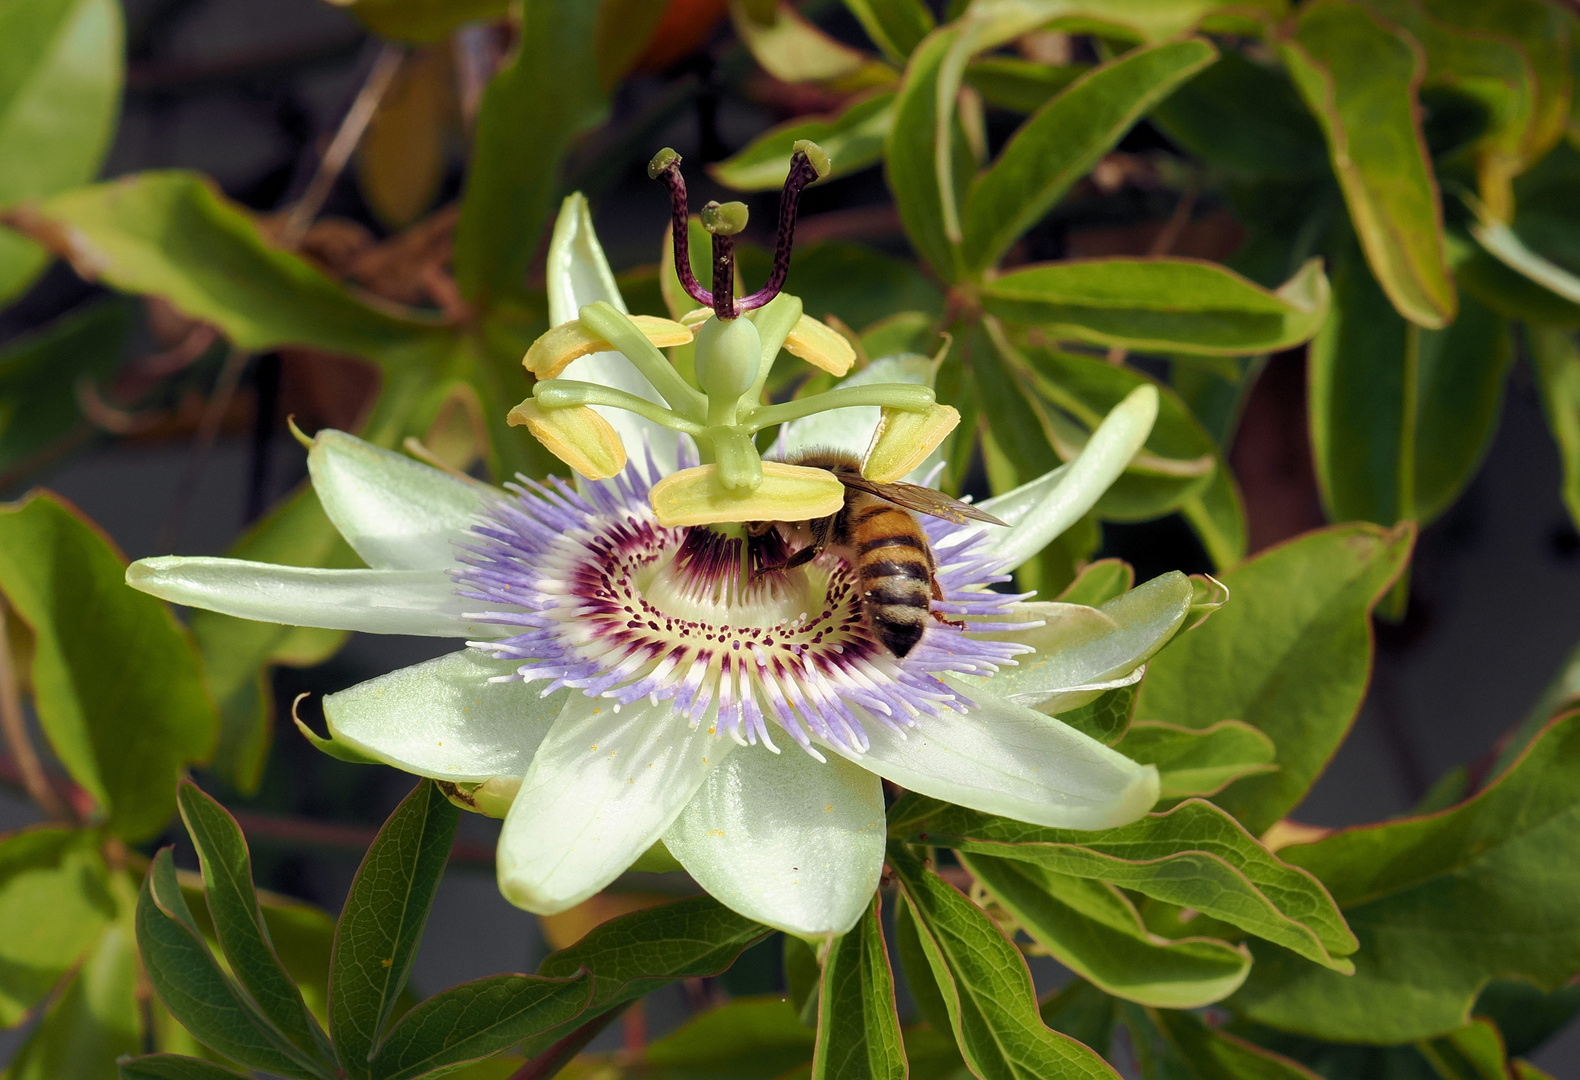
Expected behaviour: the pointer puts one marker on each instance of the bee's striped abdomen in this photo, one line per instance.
(895, 569)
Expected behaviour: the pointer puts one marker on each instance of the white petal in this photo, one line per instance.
(850, 430)
(785, 839)
(398, 514)
(421, 602)
(578, 274)
(1003, 758)
(1076, 659)
(602, 788)
(444, 719)
(1117, 439)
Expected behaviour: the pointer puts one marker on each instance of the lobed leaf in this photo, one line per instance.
(896, 27)
(1290, 655)
(198, 994)
(910, 162)
(239, 923)
(1092, 929)
(1556, 359)
(1064, 139)
(748, 1037)
(477, 1020)
(1200, 1052)
(173, 1067)
(1441, 905)
(1161, 305)
(986, 986)
(116, 681)
(1194, 855)
(382, 922)
(95, 1020)
(1022, 86)
(858, 1031)
(1360, 76)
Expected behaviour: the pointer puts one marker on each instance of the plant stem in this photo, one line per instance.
(14, 726)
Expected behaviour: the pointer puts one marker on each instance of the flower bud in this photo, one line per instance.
(904, 439)
(554, 350)
(787, 493)
(576, 435)
(820, 345)
(729, 354)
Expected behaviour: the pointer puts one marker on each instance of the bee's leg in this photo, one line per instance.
(800, 558)
(938, 594)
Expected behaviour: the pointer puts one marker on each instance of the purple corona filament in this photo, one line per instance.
(666, 167)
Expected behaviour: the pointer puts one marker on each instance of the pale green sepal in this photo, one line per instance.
(785, 839)
(333, 747)
(444, 719)
(1117, 439)
(1003, 758)
(419, 602)
(398, 514)
(604, 785)
(578, 274)
(1075, 653)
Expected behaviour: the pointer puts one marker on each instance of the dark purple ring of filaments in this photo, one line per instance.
(556, 567)
(723, 300)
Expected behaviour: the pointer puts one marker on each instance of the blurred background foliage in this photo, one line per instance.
(1331, 233)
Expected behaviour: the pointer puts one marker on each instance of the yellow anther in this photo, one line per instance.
(554, 350)
(787, 493)
(576, 435)
(904, 439)
(820, 346)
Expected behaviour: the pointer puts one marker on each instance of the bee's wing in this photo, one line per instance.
(922, 500)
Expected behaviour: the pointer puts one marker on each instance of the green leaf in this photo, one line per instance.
(803, 976)
(197, 993)
(61, 69)
(547, 95)
(1195, 856)
(896, 27)
(1290, 654)
(1092, 929)
(1198, 762)
(1083, 1012)
(116, 680)
(1099, 582)
(40, 372)
(792, 49)
(1181, 465)
(239, 924)
(52, 881)
(852, 138)
(1063, 140)
(422, 20)
(1474, 1052)
(638, 953)
(909, 161)
(1441, 905)
(95, 1020)
(171, 234)
(918, 970)
(477, 1020)
(383, 919)
(1244, 117)
(1022, 86)
(1161, 305)
(745, 1039)
(1460, 400)
(173, 1067)
(986, 986)
(1106, 717)
(858, 1031)
(1200, 1052)
(860, 285)
(1526, 1016)
(1359, 77)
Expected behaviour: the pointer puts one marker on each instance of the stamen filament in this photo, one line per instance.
(565, 393)
(606, 320)
(908, 397)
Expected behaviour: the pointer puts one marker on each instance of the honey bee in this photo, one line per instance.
(878, 536)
